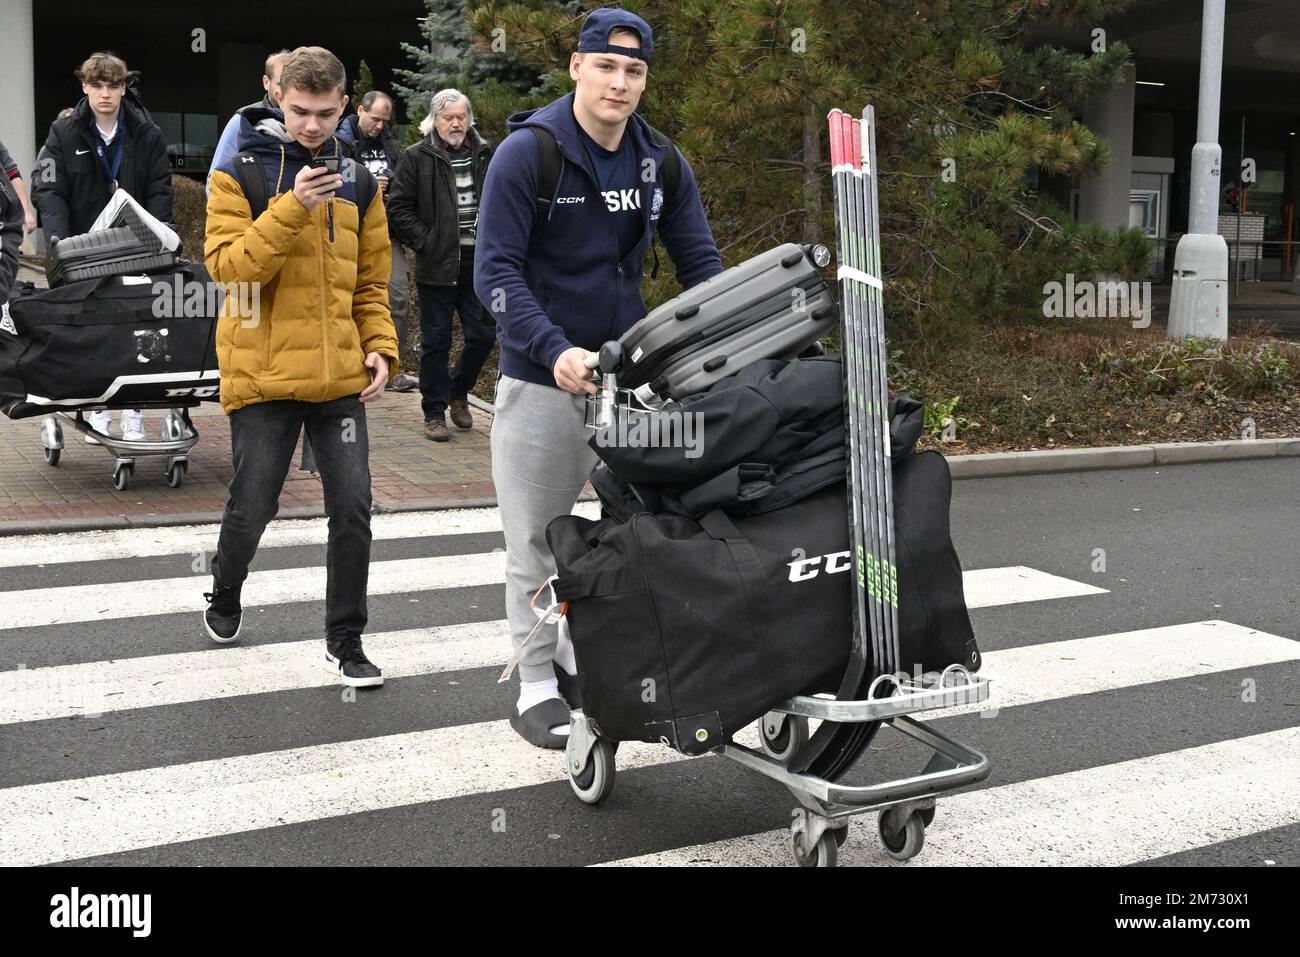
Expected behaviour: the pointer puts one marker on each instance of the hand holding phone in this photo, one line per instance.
(316, 182)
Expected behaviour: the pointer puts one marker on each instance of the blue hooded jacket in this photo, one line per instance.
(558, 283)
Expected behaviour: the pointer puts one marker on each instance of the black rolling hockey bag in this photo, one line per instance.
(112, 341)
(774, 305)
(687, 631)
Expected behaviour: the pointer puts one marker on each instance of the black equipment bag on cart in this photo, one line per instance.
(688, 631)
(774, 305)
(114, 341)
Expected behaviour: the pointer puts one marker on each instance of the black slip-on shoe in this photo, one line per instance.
(535, 724)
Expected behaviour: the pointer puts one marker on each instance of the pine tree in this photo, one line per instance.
(363, 83)
(486, 68)
(969, 120)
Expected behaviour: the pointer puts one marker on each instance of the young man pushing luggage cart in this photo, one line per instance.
(570, 206)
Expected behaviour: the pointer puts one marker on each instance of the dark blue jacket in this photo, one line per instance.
(558, 283)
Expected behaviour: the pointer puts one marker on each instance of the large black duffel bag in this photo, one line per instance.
(687, 631)
(111, 341)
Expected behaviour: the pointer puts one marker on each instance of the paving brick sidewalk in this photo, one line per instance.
(407, 471)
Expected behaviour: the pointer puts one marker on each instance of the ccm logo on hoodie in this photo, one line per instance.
(616, 200)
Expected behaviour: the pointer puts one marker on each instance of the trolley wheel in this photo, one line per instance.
(825, 854)
(596, 781)
(176, 474)
(909, 841)
(927, 816)
(52, 456)
(787, 742)
(122, 477)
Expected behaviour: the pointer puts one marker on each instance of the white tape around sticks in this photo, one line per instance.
(857, 275)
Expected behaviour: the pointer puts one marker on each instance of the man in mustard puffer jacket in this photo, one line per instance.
(317, 342)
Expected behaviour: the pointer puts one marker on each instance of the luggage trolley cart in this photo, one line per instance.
(179, 435)
(819, 824)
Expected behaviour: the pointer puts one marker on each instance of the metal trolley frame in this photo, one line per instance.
(819, 825)
(178, 431)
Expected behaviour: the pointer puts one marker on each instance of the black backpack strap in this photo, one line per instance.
(549, 161)
(252, 181)
(672, 164)
(672, 176)
(366, 187)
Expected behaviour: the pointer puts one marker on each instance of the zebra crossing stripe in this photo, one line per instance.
(111, 545)
(115, 812)
(64, 604)
(1020, 675)
(1108, 816)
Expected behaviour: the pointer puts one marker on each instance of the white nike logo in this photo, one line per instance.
(79, 152)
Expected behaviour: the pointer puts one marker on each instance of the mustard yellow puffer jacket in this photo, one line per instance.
(322, 290)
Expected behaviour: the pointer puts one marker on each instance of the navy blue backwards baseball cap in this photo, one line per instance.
(594, 37)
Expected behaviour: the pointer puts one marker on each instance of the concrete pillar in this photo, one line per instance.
(1103, 199)
(18, 80)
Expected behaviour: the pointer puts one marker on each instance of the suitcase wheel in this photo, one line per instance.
(52, 456)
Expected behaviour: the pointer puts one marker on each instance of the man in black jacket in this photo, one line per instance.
(368, 138)
(434, 210)
(11, 236)
(106, 143)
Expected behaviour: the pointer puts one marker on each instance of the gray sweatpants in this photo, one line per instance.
(540, 461)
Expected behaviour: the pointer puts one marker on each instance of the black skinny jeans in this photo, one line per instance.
(262, 438)
(437, 303)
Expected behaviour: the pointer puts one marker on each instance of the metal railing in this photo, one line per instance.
(1250, 260)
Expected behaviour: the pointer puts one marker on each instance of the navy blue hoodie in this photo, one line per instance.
(556, 284)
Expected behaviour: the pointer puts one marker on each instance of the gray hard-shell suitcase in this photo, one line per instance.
(108, 252)
(772, 306)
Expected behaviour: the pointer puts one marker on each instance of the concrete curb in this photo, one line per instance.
(101, 523)
(1044, 461)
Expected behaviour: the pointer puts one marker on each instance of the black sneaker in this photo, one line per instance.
(223, 617)
(345, 658)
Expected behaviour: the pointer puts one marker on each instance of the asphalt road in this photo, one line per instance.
(1109, 748)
